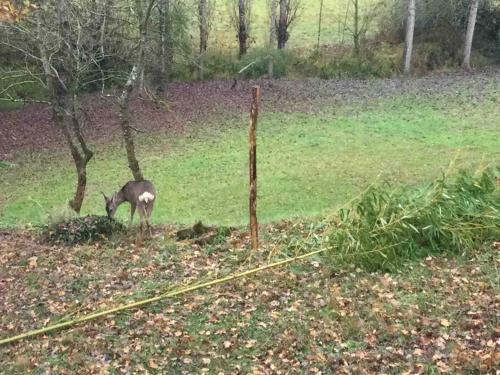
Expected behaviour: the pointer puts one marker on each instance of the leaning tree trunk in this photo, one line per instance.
(272, 38)
(128, 137)
(410, 27)
(133, 78)
(242, 29)
(469, 35)
(282, 24)
(202, 18)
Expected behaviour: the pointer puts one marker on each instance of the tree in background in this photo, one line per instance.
(320, 20)
(203, 22)
(244, 11)
(469, 35)
(410, 29)
(164, 51)
(356, 32)
(167, 39)
(288, 13)
(240, 14)
(272, 36)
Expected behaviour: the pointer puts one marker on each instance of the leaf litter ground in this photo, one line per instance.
(439, 315)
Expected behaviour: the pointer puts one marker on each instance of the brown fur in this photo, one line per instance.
(130, 192)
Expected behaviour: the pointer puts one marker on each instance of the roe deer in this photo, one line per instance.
(140, 195)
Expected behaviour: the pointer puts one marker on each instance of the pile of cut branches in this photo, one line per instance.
(388, 225)
(81, 230)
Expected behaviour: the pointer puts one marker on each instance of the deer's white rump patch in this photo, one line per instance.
(146, 197)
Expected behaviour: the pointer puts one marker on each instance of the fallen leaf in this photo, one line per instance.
(445, 323)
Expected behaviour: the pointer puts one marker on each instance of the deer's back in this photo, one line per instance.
(133, 189)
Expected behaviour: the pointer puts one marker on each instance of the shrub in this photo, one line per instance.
(81, 230)
(381, 61)
(386, 225)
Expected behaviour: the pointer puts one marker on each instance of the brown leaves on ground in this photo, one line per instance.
(194, 105)
(436, 316)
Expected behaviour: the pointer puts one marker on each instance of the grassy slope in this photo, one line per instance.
(308, 165)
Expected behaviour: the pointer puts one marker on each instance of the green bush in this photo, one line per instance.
(253, 65)
(81, 230)
(382, 61)
(386, 225)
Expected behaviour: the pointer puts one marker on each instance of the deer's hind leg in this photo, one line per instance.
(143, 215)
(132, 212)
(148, 210)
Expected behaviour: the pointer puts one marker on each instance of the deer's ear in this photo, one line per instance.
(105, 197)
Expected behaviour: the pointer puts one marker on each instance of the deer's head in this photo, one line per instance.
(110, 205)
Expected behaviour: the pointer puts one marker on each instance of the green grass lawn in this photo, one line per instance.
(308, 165)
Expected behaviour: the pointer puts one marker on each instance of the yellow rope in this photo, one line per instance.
(174, 293)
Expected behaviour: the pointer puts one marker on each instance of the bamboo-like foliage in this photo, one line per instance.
(399, 224)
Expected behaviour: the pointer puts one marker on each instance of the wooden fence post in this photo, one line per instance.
(252, 143)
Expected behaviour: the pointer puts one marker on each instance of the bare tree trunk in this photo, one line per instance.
(242, 29)
(80, 160)
(410, 27)
(202, 19)
(282, 24)
(168, 33)
(124, 100)
(272, 38)
(105, 12)
(319, 23)
(128, 137)
(162, 10)
(59, 94)
(356, 33)
(469, 35)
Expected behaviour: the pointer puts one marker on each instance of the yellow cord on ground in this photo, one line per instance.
(174, 293)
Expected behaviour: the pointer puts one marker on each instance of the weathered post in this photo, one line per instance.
(252, 143)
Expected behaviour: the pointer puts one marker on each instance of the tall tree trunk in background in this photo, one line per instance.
(469, 35)
(162, 40)
(272, 38)
(320, 19)
(356, 33)
(169, 49)
(103, 27)
(202, 19)
(282, 24)
(410, 28)
(242, 26)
